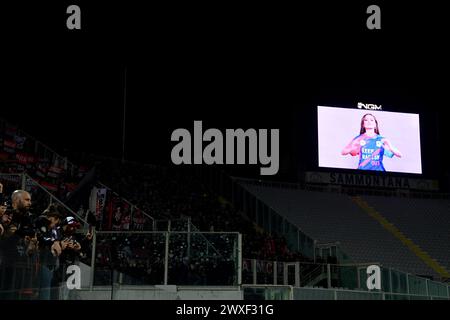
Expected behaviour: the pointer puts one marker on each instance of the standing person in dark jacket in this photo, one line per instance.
(70, 241)
(17, 246)
(22, 217)
(71, 248)
(49, 250)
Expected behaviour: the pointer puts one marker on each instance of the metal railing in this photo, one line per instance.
(124, 259)
(271, 220)
(133, 207)
(342, 277)
(165, 258)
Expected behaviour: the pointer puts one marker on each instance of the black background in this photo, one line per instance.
(228, 64)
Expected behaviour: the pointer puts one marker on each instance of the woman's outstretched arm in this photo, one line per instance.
(391, 147)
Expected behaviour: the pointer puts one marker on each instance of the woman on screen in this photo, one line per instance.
(370, 146)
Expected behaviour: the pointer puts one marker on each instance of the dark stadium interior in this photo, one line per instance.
(245, 67)
(229, 75)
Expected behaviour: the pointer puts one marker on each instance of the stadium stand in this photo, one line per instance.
(176, 193)
(426, 222)
(20, 152)
(333, 217)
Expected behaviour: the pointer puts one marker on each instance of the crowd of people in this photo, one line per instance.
(36, 249)
(176, 193)
(19, 153)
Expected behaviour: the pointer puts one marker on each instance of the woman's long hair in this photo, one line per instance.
(363, 130)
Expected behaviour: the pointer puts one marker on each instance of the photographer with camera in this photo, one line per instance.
(70, 242)
(70, 245)
(50, 248)
(22, 217)
(23, 223)
(17, 245)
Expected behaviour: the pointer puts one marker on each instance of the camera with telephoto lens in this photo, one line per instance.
(37, 228)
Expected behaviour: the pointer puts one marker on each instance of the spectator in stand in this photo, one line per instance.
(117, 219)
(125, 222)
(72, 244)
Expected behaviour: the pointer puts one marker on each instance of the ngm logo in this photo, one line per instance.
(368, 106)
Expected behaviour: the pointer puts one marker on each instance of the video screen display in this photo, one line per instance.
(369, 140)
